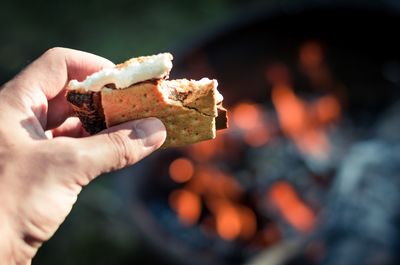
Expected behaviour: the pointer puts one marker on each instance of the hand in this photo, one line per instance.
(45, 155)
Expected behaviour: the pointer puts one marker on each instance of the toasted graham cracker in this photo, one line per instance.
(187, 109)
(197, 95)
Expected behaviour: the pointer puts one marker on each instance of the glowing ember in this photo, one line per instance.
(212, 182)
(205, 151)
(187, 205)
(246, 115)
(220, 192)
(291, 110)
(223, 185)
(305, 122)
(248, 222)
(314, 142)
(232, 219)
(181, 170)
(228, 222)
(258, 137)
(327, 109)
(284, 197)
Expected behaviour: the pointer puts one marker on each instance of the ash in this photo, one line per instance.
(360, 223)
(356, 192)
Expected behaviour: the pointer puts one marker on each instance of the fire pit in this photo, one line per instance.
(304, 88)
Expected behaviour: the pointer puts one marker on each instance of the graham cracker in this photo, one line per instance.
(188, 120)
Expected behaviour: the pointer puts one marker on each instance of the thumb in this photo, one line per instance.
(122, 145)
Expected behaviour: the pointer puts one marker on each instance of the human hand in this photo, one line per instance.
(45, 155)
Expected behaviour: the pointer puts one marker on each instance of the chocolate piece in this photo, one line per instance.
(88, 108)
(221, 121)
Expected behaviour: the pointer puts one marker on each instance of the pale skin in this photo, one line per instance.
(46, 157)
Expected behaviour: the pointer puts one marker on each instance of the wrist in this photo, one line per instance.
(14, 249)
(5, 242)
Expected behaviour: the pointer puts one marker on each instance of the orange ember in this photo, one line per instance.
(181, 170)
(284, 197)
(246, 115)
(228, 222)
(258, 137)
(187, 205)
(305, 122)
(327, 109)
(313, 65)
(314, 142)
(291, 110)
(212, 182)
(221, 192)
(232, 219)
(206, 150)
(248, 222)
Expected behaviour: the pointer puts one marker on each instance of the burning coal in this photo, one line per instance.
(211, 196)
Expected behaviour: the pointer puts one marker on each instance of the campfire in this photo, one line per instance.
(210, 196)
(279, 182)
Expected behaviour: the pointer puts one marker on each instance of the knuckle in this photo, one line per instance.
(75, 156)
(67, 154)
(55, 50)
(122, 149)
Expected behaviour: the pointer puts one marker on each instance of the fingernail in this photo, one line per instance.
(151, 131)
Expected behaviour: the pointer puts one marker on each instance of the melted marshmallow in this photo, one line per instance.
(131, 72)
(205, 81)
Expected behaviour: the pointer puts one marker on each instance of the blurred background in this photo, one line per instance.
(307, 173)
(116, 29)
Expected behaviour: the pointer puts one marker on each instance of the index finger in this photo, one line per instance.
(47, 77)
(51, 72)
